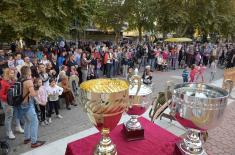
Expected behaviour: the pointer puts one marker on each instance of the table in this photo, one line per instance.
(158, 141)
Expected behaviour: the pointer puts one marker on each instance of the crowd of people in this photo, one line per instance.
(49, 74)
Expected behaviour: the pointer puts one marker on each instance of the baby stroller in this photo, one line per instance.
(74, 84)
(4, 147)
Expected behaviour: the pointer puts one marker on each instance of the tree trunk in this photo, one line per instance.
(117, 36)
(164, 35)
(140, 33)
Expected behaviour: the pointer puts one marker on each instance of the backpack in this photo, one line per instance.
(15, 94)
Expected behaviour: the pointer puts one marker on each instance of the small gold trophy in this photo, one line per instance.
(105, 100)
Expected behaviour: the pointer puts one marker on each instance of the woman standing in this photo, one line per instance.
(9, 77)
(84, 66)
(27, 109)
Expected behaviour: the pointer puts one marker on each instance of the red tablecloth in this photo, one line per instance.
(157, 141)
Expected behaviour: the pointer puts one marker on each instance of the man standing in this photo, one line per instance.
(109, 63)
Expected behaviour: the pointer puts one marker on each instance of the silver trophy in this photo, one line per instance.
(198, 107)
(139, 101)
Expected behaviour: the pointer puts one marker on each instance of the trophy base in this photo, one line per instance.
(132, 135)
(105, 145)
(182, 151)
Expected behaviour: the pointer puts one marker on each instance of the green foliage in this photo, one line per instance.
(110, 15)
(35, 19)
(184, 16)
(141, 15)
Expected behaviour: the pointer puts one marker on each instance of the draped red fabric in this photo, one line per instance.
(158, 141)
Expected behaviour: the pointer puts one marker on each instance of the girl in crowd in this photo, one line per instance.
(201, 71)
(53, 92)
(147, 76)
(11, 62)
(44, 60)
(43, 74)
(41, 99)
(27, 109)
(193, 73)
(9, 77)
(73, 71)
(51, 71)
(130, 73)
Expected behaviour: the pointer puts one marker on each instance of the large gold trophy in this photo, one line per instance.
(105, 100)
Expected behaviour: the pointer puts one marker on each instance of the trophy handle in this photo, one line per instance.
(168, 95)
(228, 85)
(133, 83)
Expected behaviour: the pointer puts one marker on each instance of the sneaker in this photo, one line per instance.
(49, 120)
(68, 108)
(19, 129)
(37, 144)
(74, 104)
(46, 122)
(59, 116)
(43, 123)
(11, 135)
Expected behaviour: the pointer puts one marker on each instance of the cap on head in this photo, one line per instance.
(147, 67)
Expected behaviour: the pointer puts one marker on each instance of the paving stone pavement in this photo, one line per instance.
(76, 120)
(221, 140)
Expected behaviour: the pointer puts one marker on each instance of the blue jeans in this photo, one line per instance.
(115, 68)
(109, 69)
(173, 63)
(28, 113)
(185, 79)
(151, 62)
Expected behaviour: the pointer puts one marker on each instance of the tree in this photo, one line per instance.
(111, 15)
(185, 16)
(141, 15)
(171, 17)
(36, 19)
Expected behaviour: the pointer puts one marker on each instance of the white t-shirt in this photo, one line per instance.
(19, 62)
(54, 92)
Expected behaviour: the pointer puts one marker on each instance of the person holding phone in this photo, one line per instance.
(53, 92)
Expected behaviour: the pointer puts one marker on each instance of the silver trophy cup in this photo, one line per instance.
(198, 107)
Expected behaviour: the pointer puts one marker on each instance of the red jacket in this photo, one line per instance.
(5, 85)
(106, 56)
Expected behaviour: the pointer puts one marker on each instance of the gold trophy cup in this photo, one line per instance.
(104, 100)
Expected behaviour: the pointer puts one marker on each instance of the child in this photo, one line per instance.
(201, 72)
(53, 92)
(73, 71)
(43, 74)
(11, 62)
(147, 76)
(129, 73)
(185, 74)
(41, 99)
(213, 69)
(193, 73)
